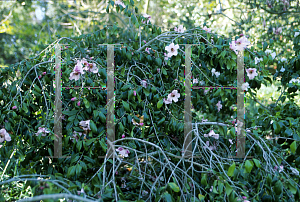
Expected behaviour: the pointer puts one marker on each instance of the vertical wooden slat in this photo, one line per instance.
(187, 104)
(110, 118)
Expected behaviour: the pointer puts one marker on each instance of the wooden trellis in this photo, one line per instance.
(110, 119)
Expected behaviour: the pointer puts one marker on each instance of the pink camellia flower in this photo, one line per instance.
(147, 50)
(167, 101)
(219, 106)
(251, 73)
(204, 120)
(123, 136)
(144, 83)
(213, 71)
(280, 168)
(14, 107)
(43, 131)
(212, 134)
(207, 29)
(166, 56)
(81, 191)
(245, 86)
(4, 136)
(91, 67)
(232, 47)
(241, 43)
(119, 2)
(134, 93)
(174, 96)
(212, 147)
(179, 29)
(84, 62)
(244, 199)
(85, 125)
(76, 72)
(172, 49)
(148, 18)
(44, 73)
(123, 152)
(40, 76)
(277, 31)
(78, 103)
(205, 91)
(76, 137)
(74, 98)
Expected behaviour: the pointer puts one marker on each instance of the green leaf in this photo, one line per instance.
(24, 107)
(121, 128)
(93, 126)
(278, 187)
(70, 113)
(228, 189)
(160, 103)
(201, 197)
(204, 179)
(164, 71)
(214, 50)
(72, 172)
(233, 55)
(265, 45)
(86, 102)
(71, 118)
(248, 166)
(293, 147)
(90, 141)
(215, 187)
(146, 92)
(37, 89)
(257, 163)
(231, 170)
(158, 62)
(167, 197)
(161, 121)
(78, 169)
(102, 117)
(79, 145)
(126, 106)
(174, 187)
(130, 95)
(293, 189)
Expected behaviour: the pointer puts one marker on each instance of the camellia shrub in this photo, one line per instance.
(149, 115)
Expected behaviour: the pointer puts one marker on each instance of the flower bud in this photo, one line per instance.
(14, 107)
(74, 98)
(40, 76)
(78, 103)
(44, 73)
(123, 136)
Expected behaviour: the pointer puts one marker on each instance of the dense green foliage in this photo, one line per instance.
(213, 177)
